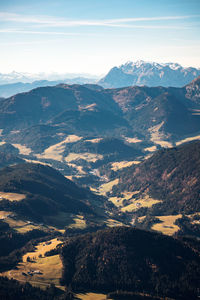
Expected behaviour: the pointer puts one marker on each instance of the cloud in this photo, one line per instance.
(8, 30)
(47, 21)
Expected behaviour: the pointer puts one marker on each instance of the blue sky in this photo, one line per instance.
(91, 36)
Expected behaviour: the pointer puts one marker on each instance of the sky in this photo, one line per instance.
(92, 36)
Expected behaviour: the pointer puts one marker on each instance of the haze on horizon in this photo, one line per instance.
(91, 36)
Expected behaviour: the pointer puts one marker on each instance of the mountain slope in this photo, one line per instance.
(171, 175)
(129, 259)
(149, 74)
(174, 110)
(46, 192)
(88, 110)
(43, 104)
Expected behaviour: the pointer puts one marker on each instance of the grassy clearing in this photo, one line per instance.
(41, 249)
(4, 214)
(157, 137)
(189, 139)
(55, 151)
(49, 268)
(113, 223)
(26, 228)
(132, 140)
(37, 162)
(22, 149)
(123, 164)
(12, 196)
(23, 226)
(89, 107)
(118, 201)
(141, 219)
(80, 222)
(94, 141)
(107, 187)
(20, 225)
(91, 296)
(193, 221)
(167, 226)
(151, 149)
(72, 138)
(90, 157)
(78, 168)
(144, 201)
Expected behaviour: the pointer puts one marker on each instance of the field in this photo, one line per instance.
(189, 139)
(123, 164)
(78, 168)
(4, 214)
(23, 226)
(132, 140)
(167, 226)
(113, 223)
(36, 162)
(91, 157)
(141, 219)
(157, 137)
(106, 187)
(118, 201)
(22, 149)
(55, 151)
(144, 201)
(94, 141)
(151, 149)
(20, 225)
(91, 296)
(43, 270)
(79, 222)
(12, 196)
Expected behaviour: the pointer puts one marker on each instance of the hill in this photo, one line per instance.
(44, 192)
(73, 128)
(132, 260)
(170, 175)
(150, 74)
(90, 110)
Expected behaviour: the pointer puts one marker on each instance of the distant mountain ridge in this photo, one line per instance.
(10, 89)
(25, 77)
(149, 74)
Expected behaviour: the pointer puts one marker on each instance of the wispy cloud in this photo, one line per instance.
(8, 30)
(48, 21)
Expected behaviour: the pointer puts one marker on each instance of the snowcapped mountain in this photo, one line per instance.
(149, 74)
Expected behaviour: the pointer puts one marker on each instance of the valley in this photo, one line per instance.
(98, 163)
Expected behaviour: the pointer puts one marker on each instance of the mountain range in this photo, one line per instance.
(154, 114)
(149, 74)
(138, 73)
(78, 158)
